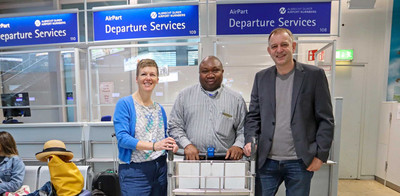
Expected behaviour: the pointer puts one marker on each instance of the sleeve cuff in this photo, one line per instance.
(323, 156)
(184, 142)
(238, 144)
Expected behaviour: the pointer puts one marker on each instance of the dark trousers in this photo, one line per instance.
(146, 178)
(271, 175)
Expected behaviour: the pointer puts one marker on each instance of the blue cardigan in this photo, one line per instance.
(124, 126)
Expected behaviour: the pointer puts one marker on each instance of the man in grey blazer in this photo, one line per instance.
(291, 115)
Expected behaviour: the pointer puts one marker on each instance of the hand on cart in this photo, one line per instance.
(233, 153)
(247, 149)
(191, 152)
(250, 148)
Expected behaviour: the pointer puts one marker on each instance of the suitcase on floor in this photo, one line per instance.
(108, 181)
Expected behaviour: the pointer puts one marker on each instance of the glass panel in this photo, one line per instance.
(49, 80)
(81, 7)
(319, 54)
(113, 73)
(241, 67)
(84, 92)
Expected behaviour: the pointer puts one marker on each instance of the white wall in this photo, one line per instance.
(366, 31)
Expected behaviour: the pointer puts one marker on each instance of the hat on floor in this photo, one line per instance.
(54, 147)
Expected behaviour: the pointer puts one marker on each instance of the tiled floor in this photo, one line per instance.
(364, 188)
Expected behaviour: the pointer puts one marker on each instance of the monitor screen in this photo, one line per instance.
(13, 100)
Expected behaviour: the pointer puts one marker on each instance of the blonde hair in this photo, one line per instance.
(7, 144)
(146, 63)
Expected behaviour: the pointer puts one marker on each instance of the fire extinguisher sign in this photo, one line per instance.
(311, 55)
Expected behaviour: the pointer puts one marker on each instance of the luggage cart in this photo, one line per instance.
(211, 177)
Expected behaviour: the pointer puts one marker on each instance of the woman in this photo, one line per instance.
(12, 169)
(140, 126)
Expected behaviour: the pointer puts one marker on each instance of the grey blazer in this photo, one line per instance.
(312, 121)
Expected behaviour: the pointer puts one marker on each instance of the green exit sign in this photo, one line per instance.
(344, 55)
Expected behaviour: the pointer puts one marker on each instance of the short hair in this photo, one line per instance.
(7, 144)
(281, 30)
(146, 63)
(211, 57)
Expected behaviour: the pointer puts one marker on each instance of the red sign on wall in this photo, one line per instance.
(311, 55)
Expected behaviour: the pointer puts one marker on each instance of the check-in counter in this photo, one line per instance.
(30, 138)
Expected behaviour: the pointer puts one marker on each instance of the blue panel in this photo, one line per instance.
(40, 29)
(135, 23)
(393, 85)
(262, 18)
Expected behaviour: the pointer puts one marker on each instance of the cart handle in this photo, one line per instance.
(180, 153)
(219, 154)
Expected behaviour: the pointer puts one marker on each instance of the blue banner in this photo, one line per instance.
(262, 18)
(40, 29)
(134, 23)
(393, 83)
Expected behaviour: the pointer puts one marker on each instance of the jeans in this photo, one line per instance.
(145, 178)
(271, 175)
(47, 189)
